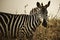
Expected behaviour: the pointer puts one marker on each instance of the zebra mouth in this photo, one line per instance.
(44, 23)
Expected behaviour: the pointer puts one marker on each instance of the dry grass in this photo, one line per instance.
(52, 32)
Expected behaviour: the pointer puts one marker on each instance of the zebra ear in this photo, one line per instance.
(38, 4)
(47, 5)
(41, 4)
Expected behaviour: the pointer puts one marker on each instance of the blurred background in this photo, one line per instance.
(24, 6)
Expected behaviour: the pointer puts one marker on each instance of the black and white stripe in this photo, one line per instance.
(10, 24)
(42, 10)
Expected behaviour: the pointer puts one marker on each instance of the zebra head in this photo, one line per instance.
(43, 12)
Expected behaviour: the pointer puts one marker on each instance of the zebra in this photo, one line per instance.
(43, 12)
(12, 25)
(25, 24)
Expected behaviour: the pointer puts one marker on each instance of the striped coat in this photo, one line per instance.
(11, 24)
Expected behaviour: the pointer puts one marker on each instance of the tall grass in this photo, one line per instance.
(52, 32)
